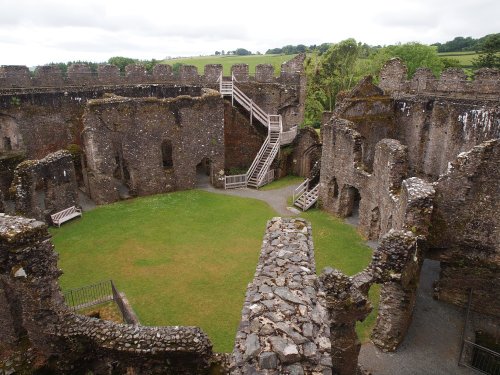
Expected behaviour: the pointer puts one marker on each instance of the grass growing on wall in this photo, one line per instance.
(186, 258)
(229, 60)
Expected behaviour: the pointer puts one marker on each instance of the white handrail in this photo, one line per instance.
(313, 194)
(275, 129)
(299, 190)
(267, 164)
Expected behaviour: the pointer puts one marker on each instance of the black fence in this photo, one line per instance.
(96, 294)
(90, 295)
(474, 355)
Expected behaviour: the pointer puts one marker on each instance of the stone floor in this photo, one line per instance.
(432, 344)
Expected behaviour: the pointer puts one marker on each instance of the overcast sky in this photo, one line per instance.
(42, 31)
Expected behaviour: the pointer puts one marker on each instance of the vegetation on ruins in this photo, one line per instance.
(345, 63)
(188, 266)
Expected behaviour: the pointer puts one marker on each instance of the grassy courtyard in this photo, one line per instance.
(186, 258)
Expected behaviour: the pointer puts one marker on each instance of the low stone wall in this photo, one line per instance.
(284, 327)
(33, 314)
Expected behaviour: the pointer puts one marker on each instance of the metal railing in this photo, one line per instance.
(90, 295)
(311, 197)
(96, 294)
(299, 190)
(475, 356)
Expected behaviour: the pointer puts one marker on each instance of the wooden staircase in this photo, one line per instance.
(259, 173)
(305, 198)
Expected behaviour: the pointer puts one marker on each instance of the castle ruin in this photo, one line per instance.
(417, 160)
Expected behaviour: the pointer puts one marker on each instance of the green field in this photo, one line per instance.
(465, 58)
(186, 258)
(229, 60)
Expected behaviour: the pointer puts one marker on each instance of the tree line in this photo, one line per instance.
(345, 63)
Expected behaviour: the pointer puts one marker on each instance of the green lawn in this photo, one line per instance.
(186, 258)
(228, 60)
(283, 182)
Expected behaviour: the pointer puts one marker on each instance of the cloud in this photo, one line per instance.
(36, 32)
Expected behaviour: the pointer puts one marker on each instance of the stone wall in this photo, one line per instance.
(431, 122)
(46, 186)
(284, 327)
(435, 123)
(16, 76)
(35, 316)
(38, 119)
(396, 265)
(242, 140)
(152, 145)
(465, 230)
(452, 83)
(383, 197)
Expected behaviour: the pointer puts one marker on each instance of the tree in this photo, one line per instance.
(149, 64)
(274, 51)
(242, 52)
(217, 53)
(328, 74)
(489, 53)
(415, 55)
(121, 62)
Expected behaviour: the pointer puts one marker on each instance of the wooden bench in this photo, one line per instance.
(69, 213)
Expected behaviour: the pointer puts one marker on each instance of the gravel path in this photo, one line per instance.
(275, 198)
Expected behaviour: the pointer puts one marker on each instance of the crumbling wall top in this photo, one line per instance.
(452, 83)
(17, 231)
(16, 76)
